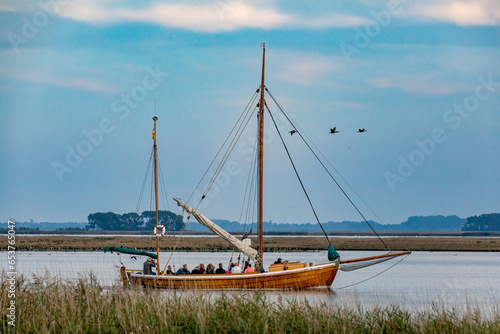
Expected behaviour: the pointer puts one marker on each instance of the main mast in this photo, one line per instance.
(156, 200)
(261, 157)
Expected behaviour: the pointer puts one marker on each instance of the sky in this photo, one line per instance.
(81, 80)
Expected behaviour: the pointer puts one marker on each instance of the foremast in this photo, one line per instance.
(261, 158)
(156, 200)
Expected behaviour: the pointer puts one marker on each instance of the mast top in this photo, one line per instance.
(155, 118)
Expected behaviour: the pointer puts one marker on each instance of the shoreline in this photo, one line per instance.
(272, 243)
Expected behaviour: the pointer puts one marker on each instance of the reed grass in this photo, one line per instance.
(83, 306)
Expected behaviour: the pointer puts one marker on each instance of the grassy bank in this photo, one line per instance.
(84, 307)
(276, 244)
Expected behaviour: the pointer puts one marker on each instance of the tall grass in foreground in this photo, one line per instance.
(51, 306)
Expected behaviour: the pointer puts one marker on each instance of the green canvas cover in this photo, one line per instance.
(129, 251)
(332, 253)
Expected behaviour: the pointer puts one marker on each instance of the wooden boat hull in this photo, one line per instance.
(307, 277)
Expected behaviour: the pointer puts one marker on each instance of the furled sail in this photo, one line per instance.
(247, 250)
(129, 251)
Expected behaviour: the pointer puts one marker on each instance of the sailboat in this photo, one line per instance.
(286, 275)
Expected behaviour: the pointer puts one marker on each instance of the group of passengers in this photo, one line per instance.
(210, 270)
(234, 268)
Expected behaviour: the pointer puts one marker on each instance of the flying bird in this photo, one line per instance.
(361, 130)
(292, 132)
(334, 130)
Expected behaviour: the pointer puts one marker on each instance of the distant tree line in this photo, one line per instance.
(413, 224)
(110, 221)
(484, 222)
(70, 229)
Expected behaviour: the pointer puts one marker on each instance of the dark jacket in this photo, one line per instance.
(183, 272)
(146, 268)
(220, 271)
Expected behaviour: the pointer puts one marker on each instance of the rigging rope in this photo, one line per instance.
(249, 197)
(176, 244)
(226, 155)
(242, 123)
(151, 195)
(248, 188)
(223, 144)
(162, 186)
(137, 208)
(326, 169)
(369, 278)
(301, 131)
(297, 174)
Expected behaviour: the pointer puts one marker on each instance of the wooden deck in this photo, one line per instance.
(300, 278)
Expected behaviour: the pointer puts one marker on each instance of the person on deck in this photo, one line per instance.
(278, 261)
(236, 269)
(202, 268)
(210, 269)
(246, 266)
(196, 271)
(249, 269)
(220, 270)
(169, 270)
(183, 271)
(147, 267)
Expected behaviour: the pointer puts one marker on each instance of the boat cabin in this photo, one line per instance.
(287, 265)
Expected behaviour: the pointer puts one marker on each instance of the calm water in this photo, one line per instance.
(459, 280)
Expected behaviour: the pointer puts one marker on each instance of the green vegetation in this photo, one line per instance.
(110, 221)
(85, 307)
(484, 222)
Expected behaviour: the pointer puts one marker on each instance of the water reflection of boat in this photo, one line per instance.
(285, 275)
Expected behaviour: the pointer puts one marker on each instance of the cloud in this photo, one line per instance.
(331, 20)
(204, 16)
(463, 13)
(231, 15)
(217, 16)
(77, 82)
(207, 18)
(307, 69)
